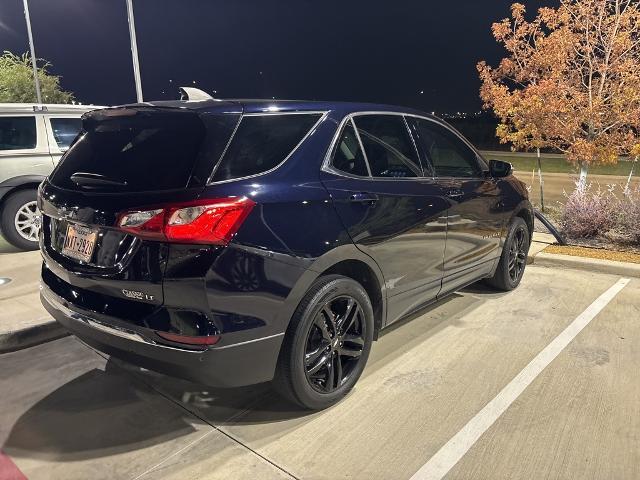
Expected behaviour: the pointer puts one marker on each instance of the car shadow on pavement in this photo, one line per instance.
(260, 404)
(98, 414)
(219, 406)
(482, 288)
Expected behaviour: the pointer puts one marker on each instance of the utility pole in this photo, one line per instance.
(134, 50)
(36, 80)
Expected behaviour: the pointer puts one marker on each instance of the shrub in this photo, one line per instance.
(628, 218)
(589, 212)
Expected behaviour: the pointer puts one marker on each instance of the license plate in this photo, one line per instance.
(79, 242)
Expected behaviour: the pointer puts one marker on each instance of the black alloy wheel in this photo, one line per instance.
(518, 253)
(513, 259)
(334, 344)
(327, 343)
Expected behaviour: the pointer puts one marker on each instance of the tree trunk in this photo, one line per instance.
(541, 181)
(582, 181)
(628, 185)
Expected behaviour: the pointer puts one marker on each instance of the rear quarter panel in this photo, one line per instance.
(253, 286)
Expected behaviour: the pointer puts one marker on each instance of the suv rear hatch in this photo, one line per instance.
(125, 162)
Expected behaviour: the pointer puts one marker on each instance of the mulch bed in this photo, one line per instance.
(603, 246)
(601, 253)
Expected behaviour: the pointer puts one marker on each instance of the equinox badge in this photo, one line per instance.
(136, 295)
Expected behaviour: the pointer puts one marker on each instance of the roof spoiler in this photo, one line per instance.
(191, 93)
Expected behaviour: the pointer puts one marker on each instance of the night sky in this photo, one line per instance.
(419, 53)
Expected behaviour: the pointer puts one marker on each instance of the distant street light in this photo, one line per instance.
(36, 80)
(134, 50)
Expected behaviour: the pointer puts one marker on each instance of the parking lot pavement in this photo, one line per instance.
(71, 414)
(68, 413)
(20, 305)
(581, 416)
(23, 320)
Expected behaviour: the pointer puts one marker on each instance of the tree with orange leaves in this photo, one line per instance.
(570, 81)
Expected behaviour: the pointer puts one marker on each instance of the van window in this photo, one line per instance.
(262, 142)
(65, 130)
(17, 133)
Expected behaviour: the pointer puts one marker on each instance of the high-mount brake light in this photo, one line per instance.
(204, 222)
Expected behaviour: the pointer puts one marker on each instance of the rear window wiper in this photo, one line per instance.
(93, 180)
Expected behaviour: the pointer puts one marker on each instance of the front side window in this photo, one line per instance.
(388, 146)
(348, 156)
(65, 130)
(17, 133)
(262, 142)
(449, 155)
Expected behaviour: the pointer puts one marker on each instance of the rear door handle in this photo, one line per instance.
(363, 197)
(455, 193)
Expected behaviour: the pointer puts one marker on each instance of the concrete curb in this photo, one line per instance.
(31, 336)
(595, 265)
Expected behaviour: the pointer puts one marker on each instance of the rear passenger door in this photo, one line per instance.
(23, 146)
(475, 216)
(391, 210)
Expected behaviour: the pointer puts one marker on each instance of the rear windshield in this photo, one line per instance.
(145, 149)
(262, 142)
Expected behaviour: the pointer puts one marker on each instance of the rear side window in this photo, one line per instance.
(65, 130)
(145, 149)
(17, 133)
(388, 145)
(262, 142)
(348, 156)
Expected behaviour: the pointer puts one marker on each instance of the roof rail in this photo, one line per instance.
(191, 93)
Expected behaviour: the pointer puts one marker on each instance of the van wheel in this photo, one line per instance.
(513, 260)
(20, 220)
(327, 343)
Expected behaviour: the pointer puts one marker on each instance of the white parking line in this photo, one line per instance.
(451, 453)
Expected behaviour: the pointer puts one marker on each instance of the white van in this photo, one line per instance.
(32, 140)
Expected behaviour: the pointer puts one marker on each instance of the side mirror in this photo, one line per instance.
(499, 169)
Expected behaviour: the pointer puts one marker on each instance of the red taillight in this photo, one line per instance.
(203, 341)
(205, 221)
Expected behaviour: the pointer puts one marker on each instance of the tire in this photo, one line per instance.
(508, 275)
(308, 344)
(21, 201)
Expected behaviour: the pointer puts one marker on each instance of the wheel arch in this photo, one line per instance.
(365, 276)
(345, 260)
(525, 211)
(15, 184)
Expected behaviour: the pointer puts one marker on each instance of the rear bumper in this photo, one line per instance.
(235, 365)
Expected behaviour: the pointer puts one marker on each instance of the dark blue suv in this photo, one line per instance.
(243, 241)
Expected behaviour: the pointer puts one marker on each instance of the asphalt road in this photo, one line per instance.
(431, 382)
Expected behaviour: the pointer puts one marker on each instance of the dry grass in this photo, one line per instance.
(600, 253)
